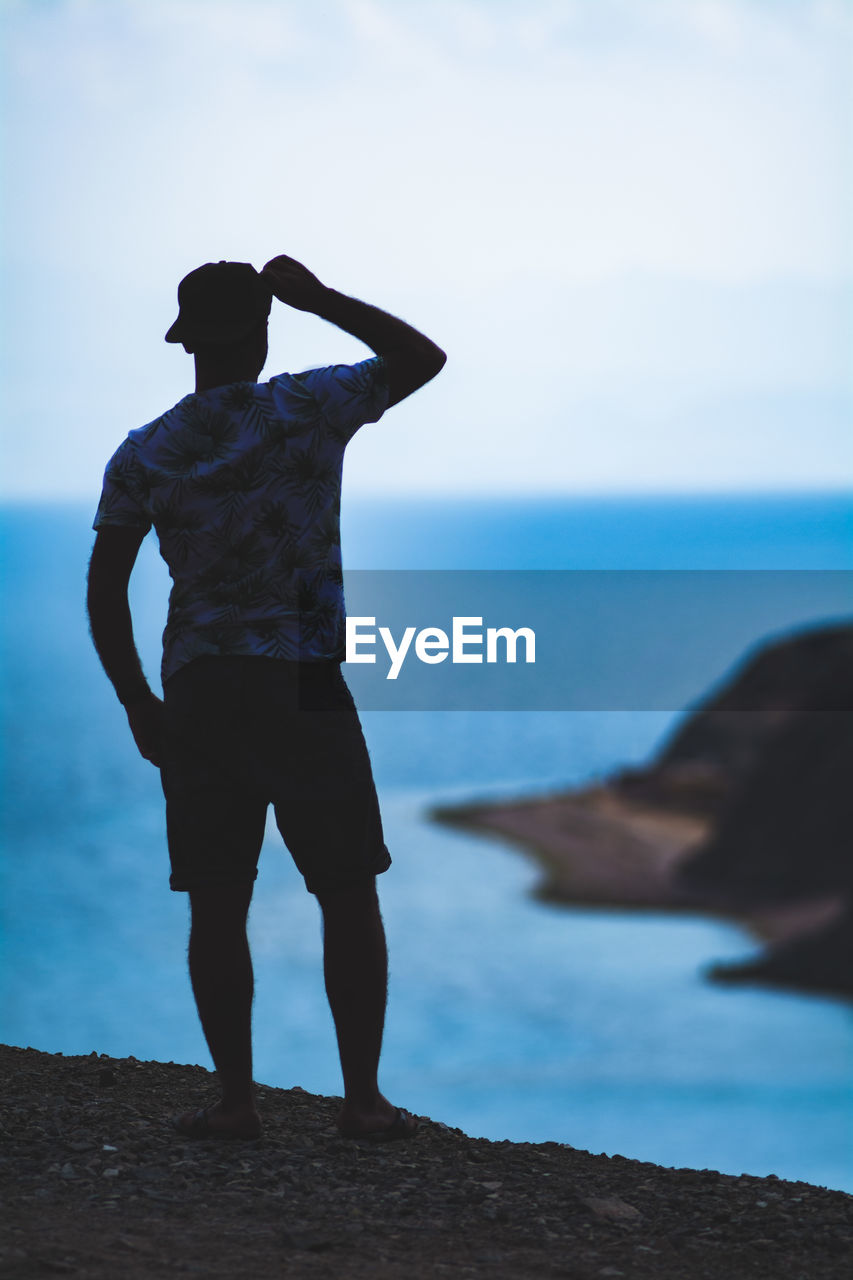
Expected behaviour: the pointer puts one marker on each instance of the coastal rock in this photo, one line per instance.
(785, 830)
(785, 833)
(718, 746)
(746, 812)
(820, 960)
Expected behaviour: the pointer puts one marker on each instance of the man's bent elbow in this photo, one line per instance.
(409, 370)
(440, 360)
(431, 361)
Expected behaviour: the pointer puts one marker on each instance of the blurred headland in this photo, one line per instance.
(746, 812)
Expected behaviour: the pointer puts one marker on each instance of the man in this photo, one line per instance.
(241, 481)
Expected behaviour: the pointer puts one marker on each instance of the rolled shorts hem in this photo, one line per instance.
(327, 884)
(317, 885)
(186, 884)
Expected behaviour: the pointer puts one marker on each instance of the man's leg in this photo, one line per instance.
(222, 982)
(355, 963)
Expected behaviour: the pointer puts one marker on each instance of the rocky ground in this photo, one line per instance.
(96, 1183)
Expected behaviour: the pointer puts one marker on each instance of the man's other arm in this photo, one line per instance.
(411, 359)
(113, 557)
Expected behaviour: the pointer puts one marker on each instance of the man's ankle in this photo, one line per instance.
(363, 1101)
(234, 1104)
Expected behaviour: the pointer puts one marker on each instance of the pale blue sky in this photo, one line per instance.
(625, 220)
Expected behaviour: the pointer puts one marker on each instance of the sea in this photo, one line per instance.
(508, 1018)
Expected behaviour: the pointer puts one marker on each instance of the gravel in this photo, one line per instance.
(96, 1182)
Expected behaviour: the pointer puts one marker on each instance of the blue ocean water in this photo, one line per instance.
(508, 1018)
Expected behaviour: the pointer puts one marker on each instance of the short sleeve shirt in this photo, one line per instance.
(242, 484)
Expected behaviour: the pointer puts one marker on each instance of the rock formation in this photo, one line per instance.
(746, 812)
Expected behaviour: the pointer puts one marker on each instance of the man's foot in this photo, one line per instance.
(383, 1123)
(213, 1122)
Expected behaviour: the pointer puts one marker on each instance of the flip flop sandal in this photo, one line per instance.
(198, 1126)
(399, 1129)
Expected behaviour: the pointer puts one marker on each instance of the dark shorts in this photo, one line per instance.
(243, 733)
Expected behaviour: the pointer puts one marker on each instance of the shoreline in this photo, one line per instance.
(596, 847)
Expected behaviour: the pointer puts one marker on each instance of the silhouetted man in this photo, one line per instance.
(241, 481)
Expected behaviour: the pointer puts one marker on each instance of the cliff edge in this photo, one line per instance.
(96, 1184)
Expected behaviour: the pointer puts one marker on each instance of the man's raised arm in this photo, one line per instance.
(411, 358)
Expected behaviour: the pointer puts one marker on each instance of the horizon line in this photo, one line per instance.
(505, 495)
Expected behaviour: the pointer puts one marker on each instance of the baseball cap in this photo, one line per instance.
(220, 302)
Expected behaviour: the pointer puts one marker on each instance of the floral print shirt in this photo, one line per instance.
(242, 484)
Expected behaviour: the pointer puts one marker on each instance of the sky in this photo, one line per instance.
(626, 221)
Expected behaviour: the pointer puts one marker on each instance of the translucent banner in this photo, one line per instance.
(551, 640)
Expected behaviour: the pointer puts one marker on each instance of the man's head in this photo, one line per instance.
(220, 305)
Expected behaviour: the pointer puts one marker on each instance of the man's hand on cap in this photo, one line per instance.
(294, 284)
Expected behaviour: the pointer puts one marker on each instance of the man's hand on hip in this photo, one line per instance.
(145, 718)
